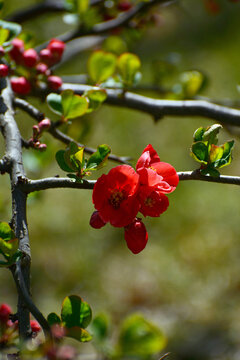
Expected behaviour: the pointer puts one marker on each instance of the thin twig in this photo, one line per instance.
(21, 286)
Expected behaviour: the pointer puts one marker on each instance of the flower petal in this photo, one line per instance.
(148, 157)
(153, 203)
(168, 173)
(136, 236)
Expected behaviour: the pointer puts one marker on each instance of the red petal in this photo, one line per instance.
(96, 221)
(148, 157)
(152, 203)
(168, 173)
(149, 177)
(136, 236)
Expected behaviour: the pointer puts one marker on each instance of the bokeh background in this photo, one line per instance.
(187, 280)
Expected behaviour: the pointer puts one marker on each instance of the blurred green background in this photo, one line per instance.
(187, 280)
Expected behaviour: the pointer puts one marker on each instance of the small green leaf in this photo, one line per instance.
(54, 102)
(198, 134)
(192, 82)
(200, 152)
(4, 33)
(13, 28)
(115, 45)
(226, 156)
(61, 161)
(139, 337)
(98, 159)
(128, 65)
(78, 333)
(6, 232)
(75, 312)
(100, 327)
(53, 319)
(73, 156)
(96, 98)
(211, 132)
(73, 105)
(101, 65)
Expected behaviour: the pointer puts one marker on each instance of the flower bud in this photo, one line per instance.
(30, 58)
(17, 50)
(4, 70)
(44, 124)
(56, 47)
(42, 69)
(21, 85)
(36, 131)
(136, 236)
(35, 326)
(46, 56)
(54, 82)
(42, 147)
(96, 222)
(124, 5)
(5, 311)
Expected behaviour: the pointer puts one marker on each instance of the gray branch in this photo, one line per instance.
(159, 108)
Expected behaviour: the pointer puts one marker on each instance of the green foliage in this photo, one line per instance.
(191, 82)
(128, 66)
(100, 327)
(96, 97)
(139, 337)
(115, 45)
(68, 104)
(205, 151)
(101, 65)
(8, 245)
(76, 315)
(8, 31)
(72, 160)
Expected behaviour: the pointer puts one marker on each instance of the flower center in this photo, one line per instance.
(116, 198)
(149, 201)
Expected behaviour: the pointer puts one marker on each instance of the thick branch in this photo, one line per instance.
(13, 152)
(160, 108)
(37, 115)
(55, 183)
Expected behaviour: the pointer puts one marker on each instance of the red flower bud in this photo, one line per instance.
(124, 5)
(54, 82)
(136, 236)
(96, 222)
(4, 70)
(44, 124)
(30, 57)
(5, 311)
(46, 56)
(56, 47)
(35, 326)
(17, 50)
(42, 68)
(42, 147)
(36, 131)
(21, 85)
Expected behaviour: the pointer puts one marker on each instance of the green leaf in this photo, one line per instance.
(198, 134)
(73, 156)
(82, 6)
(4, 33)
(6, 232)
(139, 337)
(61, 161)
(54, 102)
(211, 132)
(73, 105)
(96, 98)
(209, 170)
(192, 82)
(101, 65)
(100, 327)
(226, 155)
(53, 318)
(200, 152)
(98, 159)
(78, 333)
(115, 45)
(128, 65)
(13, 28)
(75, 312)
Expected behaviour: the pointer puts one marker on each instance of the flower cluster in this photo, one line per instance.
(9, 328)
(123, 192)
(30, 68)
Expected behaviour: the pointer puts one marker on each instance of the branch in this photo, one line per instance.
(13, 151)
(37, 115)
(55, 183)
(160, 108)
(22, 289)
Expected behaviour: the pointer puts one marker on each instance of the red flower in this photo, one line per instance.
(136, 236)
(35, 326)
(114, 196)
(153, 203)
(5, 311)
